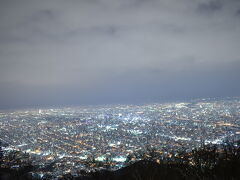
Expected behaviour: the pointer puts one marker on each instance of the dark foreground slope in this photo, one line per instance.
(208, 162)
(205, 163)
(148, 170)
(140, 171)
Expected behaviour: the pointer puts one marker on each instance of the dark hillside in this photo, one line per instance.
(206, 163)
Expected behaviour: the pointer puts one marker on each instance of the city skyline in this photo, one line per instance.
(70, 138)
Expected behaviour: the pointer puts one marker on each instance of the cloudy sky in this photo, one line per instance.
(64, 52)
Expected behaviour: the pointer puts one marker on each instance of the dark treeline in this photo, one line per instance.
(218, 162)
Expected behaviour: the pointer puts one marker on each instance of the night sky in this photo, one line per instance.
(63, 52)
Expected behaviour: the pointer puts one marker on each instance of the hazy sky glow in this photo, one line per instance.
(64, 52)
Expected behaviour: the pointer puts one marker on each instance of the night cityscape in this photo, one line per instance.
(71, 137)
(119, 89)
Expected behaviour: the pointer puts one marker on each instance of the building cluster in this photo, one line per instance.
(84, 138)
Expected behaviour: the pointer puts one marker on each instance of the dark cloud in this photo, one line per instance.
(238, 12)
(108, 51)
(210, 6)
(43, 15)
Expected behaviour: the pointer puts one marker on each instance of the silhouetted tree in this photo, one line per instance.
(1, 153)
